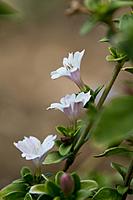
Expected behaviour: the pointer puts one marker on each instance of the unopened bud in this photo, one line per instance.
(67, 184)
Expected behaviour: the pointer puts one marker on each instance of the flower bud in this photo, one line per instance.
(67, 184)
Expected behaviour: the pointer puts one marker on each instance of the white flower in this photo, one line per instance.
(32, 149)
(71, 105)
(71, 68)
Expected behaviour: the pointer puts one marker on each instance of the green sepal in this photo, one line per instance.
(62, 130)
(26, 175)
(58, 176)
(77, 184)
(53, 157)
(64, 149)
(115, 151)
(120, 169)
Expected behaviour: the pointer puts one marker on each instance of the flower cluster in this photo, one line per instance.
(71, 105)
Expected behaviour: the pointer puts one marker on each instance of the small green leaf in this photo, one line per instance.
(25, 171)
(120, 169)
(28, 197)
(88, 185)
(52, 189)
(105, 39)
(128, 69)
(38, 189)
(53, 157)
(64, 149)
(108, 194)
(82, 194)
(122, 189)
(88, 26)
(115, 151)
(61, 130)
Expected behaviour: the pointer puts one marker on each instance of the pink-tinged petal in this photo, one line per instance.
(62, 71)
(78, 57)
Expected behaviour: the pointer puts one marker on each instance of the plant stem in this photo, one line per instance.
(109, 85)
(84, 137)
(128, 179)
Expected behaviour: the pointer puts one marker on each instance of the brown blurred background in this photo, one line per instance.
(33, 44)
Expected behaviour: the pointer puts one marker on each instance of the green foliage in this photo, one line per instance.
(6, 9)
(107, 193)
(114, 123)
(116, 55)
(120, 169)
(82, 188)
(124, 39)
(116, 151)
(53, 157)
(102, 11)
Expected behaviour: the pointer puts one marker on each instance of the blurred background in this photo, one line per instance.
(32, 44)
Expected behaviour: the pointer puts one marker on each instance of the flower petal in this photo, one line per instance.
(47, 144)
(83, 97)
(57, 106)
(62, 71)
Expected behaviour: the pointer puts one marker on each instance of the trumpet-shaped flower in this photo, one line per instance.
(32, 149)
(71, 105)
(71, 68)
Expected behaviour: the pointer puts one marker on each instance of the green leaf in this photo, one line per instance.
(53, 157)
(115, 122)
(128, 69)
(115, 151)
(122, 189)
(52, 189)
(14, 187)
(61, 130)
(88, 185)
(25, 171)
(108, 194)
(120, 169)
(77, 184)
(28, 197)
(82, 194)
(14, 195)
(26, 174)
(58, 176)
(64, 149)
(6, 9)
(88, 26)
(38, 189)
